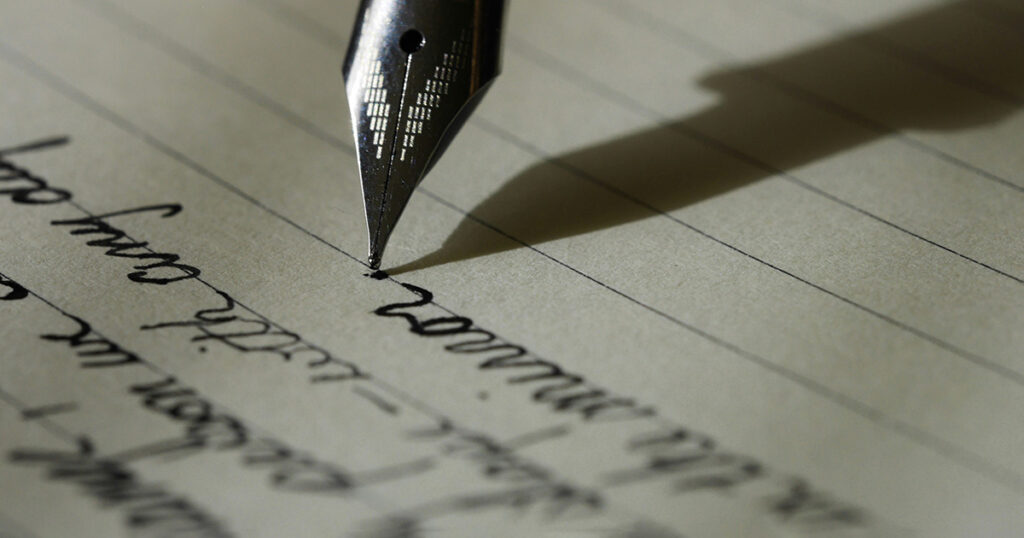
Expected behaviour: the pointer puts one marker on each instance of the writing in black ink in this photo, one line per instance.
(21, 185)
(205, 426)
(148, 509)
(11, 290)
(157, 268)
(521, 485)
(814, 510)
(254, 334)
(25, 188)
(689, 461)
(562, 391)
(208, 427)
(692, 460)
(95, 350)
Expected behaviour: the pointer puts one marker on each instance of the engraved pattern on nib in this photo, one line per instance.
(434, 90)
(378, 110)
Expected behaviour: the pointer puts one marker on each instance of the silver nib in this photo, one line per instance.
(413, 73)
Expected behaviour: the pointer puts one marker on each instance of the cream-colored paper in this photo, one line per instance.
(734, 268)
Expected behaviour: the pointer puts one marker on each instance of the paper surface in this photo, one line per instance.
(735, 268)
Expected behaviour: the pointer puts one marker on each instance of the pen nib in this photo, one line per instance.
(374, 257)
(412, 76)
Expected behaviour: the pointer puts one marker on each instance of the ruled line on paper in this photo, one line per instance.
(110, 480)
(964, 457)
(590, 84)
(565, 490)
(989, 364)
(125, 124)
(113, 349)
(50, 426)
(178, 51)
(642, 17)
(426, 322)
(583, 81)
(825, 18)
(36, 413)
(639, 16)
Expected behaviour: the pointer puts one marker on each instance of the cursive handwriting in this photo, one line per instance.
(96, 351)
(148, 509)
(245, 333)
(204, 425)
(252, 334)
(690, 461)
(563, 391)
(25, 188)
(163, 269)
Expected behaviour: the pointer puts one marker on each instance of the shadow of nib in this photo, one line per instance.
(783, 110)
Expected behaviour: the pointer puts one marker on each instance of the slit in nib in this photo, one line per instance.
(376, 251)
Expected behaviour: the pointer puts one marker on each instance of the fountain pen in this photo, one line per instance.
(414, 72)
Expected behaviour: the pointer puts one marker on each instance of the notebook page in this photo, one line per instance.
(692, 269)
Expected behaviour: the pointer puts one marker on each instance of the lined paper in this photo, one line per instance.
(692, 269)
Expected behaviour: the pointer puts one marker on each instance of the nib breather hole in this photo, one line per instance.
(411, 41)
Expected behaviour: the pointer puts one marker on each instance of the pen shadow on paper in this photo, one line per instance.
(668, 166)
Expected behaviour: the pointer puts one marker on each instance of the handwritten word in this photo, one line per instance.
(149, 509)
(693, 461)
(120, 245)
(814, 510)
(98, 351)
(498, 461)
(252, 334)
(208, 427)
(562, 391)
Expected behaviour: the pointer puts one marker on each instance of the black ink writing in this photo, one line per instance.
(158, 267)
(21, 185)
(95, 350)
(148, 509)
(562, 391)
(25, 188)
(253, 334)
(690, 461)
(205, 426)
(11, 290)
